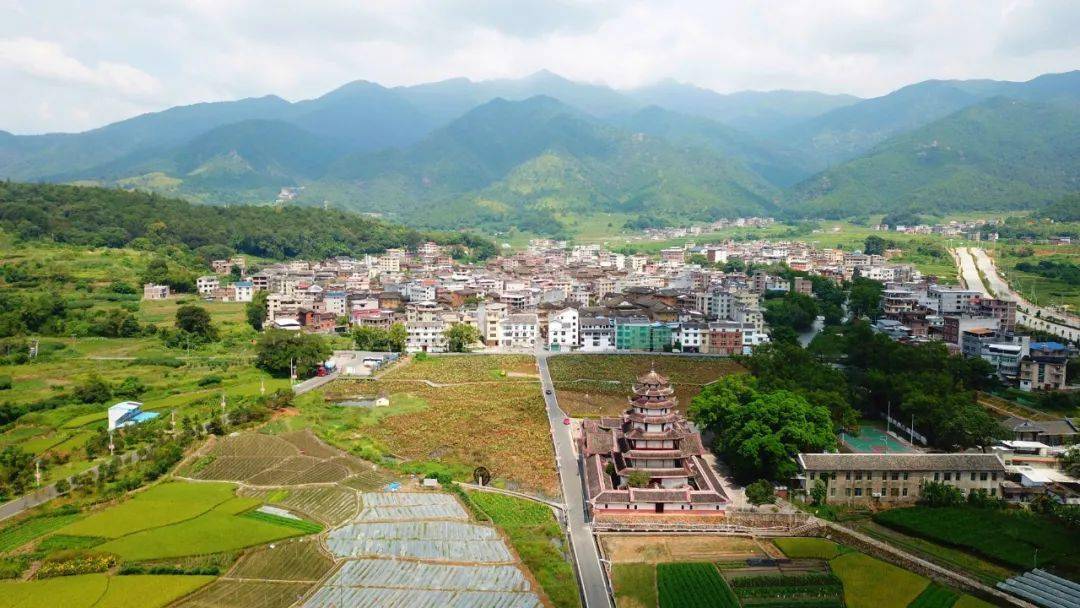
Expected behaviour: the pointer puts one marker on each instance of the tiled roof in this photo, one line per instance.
(901, 462)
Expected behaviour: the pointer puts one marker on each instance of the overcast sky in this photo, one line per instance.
(69, 65)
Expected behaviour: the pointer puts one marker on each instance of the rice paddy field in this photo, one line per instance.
(99, 591)
(478, 413)
(599, 385)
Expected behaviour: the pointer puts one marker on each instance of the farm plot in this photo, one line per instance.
(159, 505)
(474, 368)
(410, 505)
(823, 590)
(597, 385)
(26, 530)
(331, 505)
(299, 560)
(267, 460)
(99, 591)
(224, 593)
(396, 574)
(692, 585)
(445, 541)
(367, 597)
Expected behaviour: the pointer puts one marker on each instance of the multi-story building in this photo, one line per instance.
(426, 336)
(897, 478)
(724, 338)
(597, 334)
(155, 292)
(1043, 368)
(563, 330)
(638, 333)
(519, 330)
(690, 336)
(491, 315)
(206, 285)
(243, 291)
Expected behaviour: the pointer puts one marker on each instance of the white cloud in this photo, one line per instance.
(75, 68)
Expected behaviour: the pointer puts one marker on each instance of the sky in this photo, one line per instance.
(72, 65)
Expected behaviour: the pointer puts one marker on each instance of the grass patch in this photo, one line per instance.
(301, 525)
(935, 596)
(538, 539)
(22, 532)
(808, 547)
(160, 505)
(99, 591)
(634, 585)
(1015, 538)
(692, 585)
(982, 569)
(970, 601)
(872, 583)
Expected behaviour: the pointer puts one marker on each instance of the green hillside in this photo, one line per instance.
(999, 154)
(537, 159)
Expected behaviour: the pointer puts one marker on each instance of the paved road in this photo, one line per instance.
(44, 494)
(590, 570)
(313, 383)
(973, 259)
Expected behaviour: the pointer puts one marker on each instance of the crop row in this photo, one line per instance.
(418, 575)
(299, 560)
(245, 594)
(369, 597)
(331, 505)
(692, 585)
(785, 580)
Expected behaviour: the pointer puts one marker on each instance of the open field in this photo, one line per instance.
(808, 547)
(982, 569)
(872, 583)
(1038, 289)
(538, 539)
(692, 585)
(296, 560)
(19, 533)
(674, 548)
(634, 585)
(180, 519)
(471, 368)
(499, 423)
(1017, 534)
(99, 591)
(598, 385)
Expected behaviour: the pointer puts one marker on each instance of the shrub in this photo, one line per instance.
(5, 383)
(211, 380)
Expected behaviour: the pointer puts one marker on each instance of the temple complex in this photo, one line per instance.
(649, 459)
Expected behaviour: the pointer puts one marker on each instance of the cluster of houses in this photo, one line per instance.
(975, 326)
(551, 295)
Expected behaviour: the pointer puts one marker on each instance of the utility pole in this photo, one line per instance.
(888, 423)
(224, 416)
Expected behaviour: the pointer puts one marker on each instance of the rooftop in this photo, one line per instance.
(901, 462)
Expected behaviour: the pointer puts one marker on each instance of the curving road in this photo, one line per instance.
(973, 260)
(593, 580)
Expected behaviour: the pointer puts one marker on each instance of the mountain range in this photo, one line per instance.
(529, 152)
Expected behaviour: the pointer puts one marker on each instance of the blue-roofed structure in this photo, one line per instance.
(128, 413)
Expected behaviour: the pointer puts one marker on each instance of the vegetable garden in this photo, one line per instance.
(693, 585)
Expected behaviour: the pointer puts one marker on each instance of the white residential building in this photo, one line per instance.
(563, 330)
(207, 285)
(426, 337)
(244, 290)
(519, 330)
(597, 334)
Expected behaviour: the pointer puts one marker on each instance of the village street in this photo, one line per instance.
(586, 554)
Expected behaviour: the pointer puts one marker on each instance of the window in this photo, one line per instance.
(993, 476)
(858, 491)
(905, 492)
(948, 476)
(832, 491)
(847, 491)
(973, 476)
(936, 475)
(847, 476)
(895, 476)
(895, 492)
(993, 491)
(982, 476)
(858, 476)
(905, 475)
(811, 475)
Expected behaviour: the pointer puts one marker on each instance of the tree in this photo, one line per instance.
(794, 310)
(195, 320)
(276, 349)
(16, 471)
(760, 493)
(874, 245)
(637, 479)
(759, 433)
(398, 337)
(256, 309)
(1070, 461)
(819, 492)
(937, 494)
(370, 338)
(130, 388)
(459, 337)
(864, 298)
(93, 390)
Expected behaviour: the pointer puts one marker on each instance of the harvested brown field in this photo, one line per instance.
(676, 548)
(466, 368)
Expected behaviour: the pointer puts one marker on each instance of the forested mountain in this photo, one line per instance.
(525, 152)
(998, 154)
(849, 131)
(756, 112)
(540, 157)
(103, 217)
